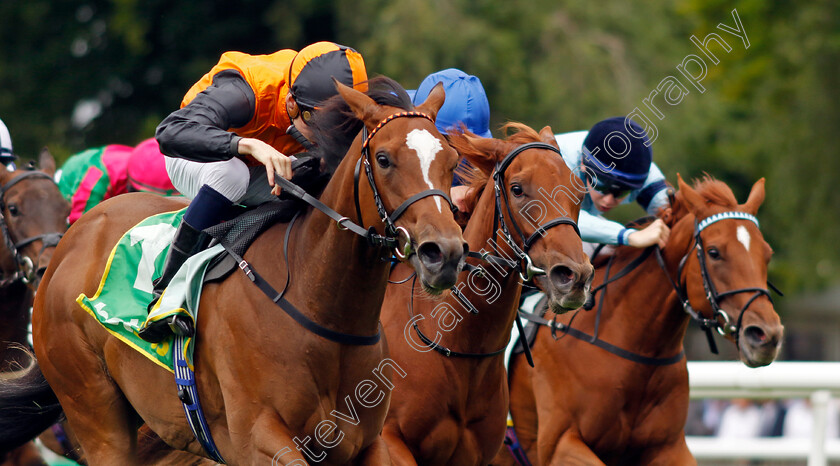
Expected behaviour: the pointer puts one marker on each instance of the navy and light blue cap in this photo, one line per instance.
(466, 102)
(609, 157)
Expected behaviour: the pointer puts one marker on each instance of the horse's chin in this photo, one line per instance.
(431, 289)
(436, 282)
(757, 358)
(563, 302)
(566, 304)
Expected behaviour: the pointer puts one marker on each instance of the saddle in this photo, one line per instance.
(237, 234)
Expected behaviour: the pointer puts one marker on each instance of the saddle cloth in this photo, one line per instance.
(125, 290)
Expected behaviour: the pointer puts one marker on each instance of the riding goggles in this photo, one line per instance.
(618, 191)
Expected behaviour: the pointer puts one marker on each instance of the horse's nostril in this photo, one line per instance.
(755, 335)
(562, 275)
(40, 272)
(430, 253)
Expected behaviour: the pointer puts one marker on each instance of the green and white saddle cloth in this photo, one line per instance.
(121, 301)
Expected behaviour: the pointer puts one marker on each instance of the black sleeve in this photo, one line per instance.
(198, 131)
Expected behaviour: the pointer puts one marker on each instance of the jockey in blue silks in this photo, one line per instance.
(615, 161)
(466, 102)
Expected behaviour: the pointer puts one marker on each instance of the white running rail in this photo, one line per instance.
(818, 381)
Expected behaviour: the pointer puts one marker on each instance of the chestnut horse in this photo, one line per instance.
(587, 402)
(451, 406)
(267, 386)
(33, 216)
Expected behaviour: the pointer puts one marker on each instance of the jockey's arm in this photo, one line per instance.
(198, 131)
(597, 229)
(652, 196)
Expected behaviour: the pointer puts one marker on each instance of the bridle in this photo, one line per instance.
(720, 320)
(393, 233)
(25, 265)
(527, 269)
(389, 240)
(524, 265)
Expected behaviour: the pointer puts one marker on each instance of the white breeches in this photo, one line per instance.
(233, 179)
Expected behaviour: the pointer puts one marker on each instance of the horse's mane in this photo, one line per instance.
(714, 191)
(517, 134)
(335, 126)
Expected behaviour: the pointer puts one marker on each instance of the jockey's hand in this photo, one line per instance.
(273, 160)
(654, 234)
(459, 197)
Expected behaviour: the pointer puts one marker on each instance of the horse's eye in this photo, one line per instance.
(383, 160)
(13, 210)
(714, 253)
(516, 190)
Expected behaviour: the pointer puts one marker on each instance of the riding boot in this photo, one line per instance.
(208, 208)
(187, 242)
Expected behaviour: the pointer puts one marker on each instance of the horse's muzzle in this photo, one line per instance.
(569, 284)
(439, 262)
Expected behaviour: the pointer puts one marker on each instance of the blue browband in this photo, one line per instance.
(725, 215)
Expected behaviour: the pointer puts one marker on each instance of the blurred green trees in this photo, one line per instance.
(767, 111)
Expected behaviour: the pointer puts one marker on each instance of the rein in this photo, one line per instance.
(25, 266)
(706, 324)
(440, 348)
(594, 340)
(390, 239)
(525, 265)
(289, 308)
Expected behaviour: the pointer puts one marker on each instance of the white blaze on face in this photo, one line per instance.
(427, 147)
(743, 236)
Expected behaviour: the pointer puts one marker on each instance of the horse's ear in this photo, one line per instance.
(46, 162)
(547, 136)
(434, 102)
(756, 197)
(695, 202)
(363, 106)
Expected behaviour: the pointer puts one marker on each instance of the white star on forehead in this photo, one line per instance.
(743, 236)
(426, 146)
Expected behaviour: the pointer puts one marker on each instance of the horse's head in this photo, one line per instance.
(725, 273)
(409, 168)
(537, 202)
(34, 216)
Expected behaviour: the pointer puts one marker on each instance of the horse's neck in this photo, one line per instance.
(338, 265)
(15, 301)
(642, 312)
(494, 294)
